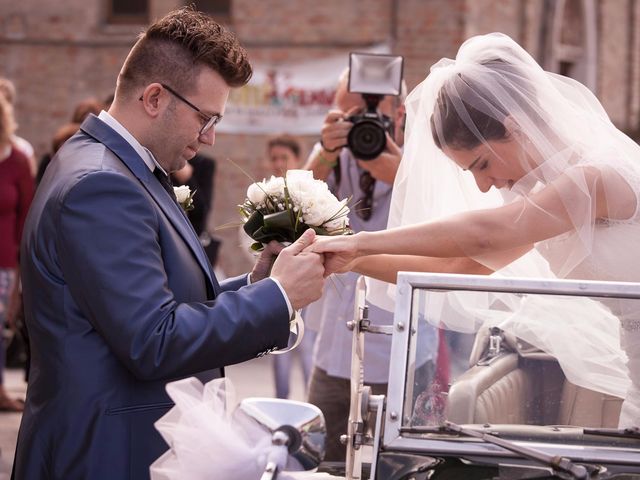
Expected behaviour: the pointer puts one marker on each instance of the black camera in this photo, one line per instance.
(367, 139)
(373, 76)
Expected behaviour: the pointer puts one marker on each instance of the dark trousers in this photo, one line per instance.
(332, 396)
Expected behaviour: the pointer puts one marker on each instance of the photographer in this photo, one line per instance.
(369, 184)
(326, 156)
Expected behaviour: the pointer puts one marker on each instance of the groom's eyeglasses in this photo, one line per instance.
(365, 203)
(208, 121)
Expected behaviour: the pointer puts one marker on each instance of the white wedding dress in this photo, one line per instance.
(615, 256)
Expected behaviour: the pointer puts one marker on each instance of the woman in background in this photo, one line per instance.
(16, 192)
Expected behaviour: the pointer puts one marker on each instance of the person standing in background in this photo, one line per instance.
(16, 192)
(63, 134)
(8, 91)
(283, 153)
(370, 185)
(199, 175)
(86, 107)
(80, 112)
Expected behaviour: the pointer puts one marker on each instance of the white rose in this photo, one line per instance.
(300, 175)
(307, 192)
(182, 192)
(255, 193)
(274, 187)
(322, 210)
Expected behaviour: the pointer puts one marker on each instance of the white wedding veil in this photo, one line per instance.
(568, 150)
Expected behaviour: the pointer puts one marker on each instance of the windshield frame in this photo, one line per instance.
(397, 437)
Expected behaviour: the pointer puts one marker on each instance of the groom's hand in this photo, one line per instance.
(300, 273)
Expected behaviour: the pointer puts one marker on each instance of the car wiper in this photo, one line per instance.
(632, 432)
(556, 462)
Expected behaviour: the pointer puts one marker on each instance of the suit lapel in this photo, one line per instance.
(104, 134)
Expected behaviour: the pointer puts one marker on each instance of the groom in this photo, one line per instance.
(119, 295)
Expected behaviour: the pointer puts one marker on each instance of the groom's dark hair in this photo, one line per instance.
(176, 47)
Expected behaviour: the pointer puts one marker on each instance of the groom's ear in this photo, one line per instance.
(151, 99)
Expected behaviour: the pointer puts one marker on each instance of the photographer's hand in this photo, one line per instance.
(333, 137)
(385, 166)
(335, 130)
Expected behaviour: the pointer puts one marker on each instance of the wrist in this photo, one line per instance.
(363, 243)
(327, 159)
(356, 265)
(256, 275)
(330, 150)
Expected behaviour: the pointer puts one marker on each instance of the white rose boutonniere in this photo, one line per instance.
(184, 195)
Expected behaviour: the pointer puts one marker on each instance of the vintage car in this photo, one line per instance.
(507, 412)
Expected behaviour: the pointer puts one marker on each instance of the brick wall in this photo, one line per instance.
(613, 55)
(634, 73)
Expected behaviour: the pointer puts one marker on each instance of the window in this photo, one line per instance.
(128, 11)
(570, 46)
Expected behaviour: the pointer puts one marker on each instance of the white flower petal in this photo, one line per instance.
(182, 193)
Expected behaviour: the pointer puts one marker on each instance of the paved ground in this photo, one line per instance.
(9, 422)
(251, 379)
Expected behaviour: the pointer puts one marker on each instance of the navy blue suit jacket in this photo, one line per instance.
(120, 299)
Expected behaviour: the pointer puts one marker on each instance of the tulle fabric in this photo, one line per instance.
(211, 440)
(563, 131)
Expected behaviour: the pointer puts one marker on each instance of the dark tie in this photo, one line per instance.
(165, 181)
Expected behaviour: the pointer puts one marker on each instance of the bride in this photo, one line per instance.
(570, 182)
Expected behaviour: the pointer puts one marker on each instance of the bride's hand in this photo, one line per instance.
(340, 252)
(264, 262)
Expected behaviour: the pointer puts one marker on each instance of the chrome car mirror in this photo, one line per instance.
(298, 426)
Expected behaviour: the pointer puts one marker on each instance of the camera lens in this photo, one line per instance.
(367, 139)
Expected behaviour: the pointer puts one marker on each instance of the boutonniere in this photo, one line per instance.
(184, 195)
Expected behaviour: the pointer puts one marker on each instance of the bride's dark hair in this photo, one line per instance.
(472, 108)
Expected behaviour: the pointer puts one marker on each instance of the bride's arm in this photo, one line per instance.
(545, 214)
(386, 267)
(576, 196)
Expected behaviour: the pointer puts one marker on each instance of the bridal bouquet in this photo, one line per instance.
(282, 208)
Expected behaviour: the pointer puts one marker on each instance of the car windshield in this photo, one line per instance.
(476, 356)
